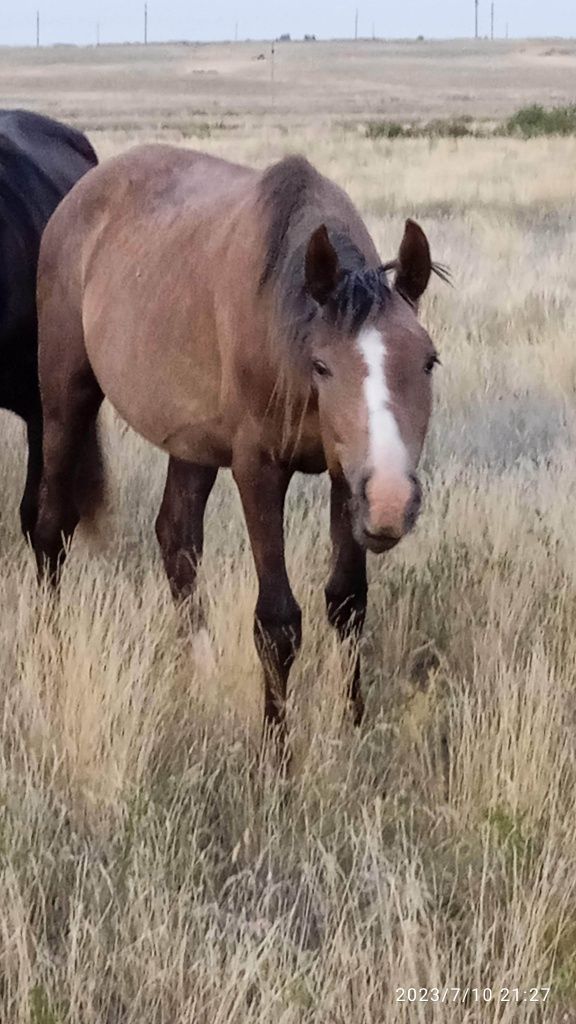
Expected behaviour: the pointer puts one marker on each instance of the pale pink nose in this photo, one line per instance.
(391, 505)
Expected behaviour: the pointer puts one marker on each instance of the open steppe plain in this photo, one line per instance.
(154, 868)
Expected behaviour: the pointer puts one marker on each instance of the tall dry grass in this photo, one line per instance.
(154, 869)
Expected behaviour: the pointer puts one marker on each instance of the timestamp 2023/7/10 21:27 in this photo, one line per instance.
(473, 994)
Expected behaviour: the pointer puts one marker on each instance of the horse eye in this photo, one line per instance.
(320, 368)
(432, 362)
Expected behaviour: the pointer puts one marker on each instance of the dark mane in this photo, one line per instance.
(296, 200)
(286, 188)
(360, 295)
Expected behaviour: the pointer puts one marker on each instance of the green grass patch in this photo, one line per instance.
(532, 122)
(527, 123)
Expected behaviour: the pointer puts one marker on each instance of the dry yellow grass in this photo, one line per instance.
(153, 869)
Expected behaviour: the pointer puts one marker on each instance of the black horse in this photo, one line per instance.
(40, 161)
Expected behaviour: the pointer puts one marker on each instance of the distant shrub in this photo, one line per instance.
(202, 129)
(527, 123)
(386, 130)
(530, 122)
(455, 128)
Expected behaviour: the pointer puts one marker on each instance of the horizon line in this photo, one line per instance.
(286, 41)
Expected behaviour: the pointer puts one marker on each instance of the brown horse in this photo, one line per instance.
(237, 319)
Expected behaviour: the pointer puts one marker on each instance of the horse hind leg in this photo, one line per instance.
(72, 468)
(29, 503)
(20, 394)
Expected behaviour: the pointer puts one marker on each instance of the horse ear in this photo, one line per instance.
(322, 267)
(414, 263)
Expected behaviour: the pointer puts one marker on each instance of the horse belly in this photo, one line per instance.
(168, 392)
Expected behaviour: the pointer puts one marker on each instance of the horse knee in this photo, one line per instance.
(180, 561)
(278, 636)
(346, 609)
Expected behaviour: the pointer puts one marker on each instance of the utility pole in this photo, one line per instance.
(145, 24)
(356, 26)
(97, 33)
(37, 28)
(492, 22)
(476, 3)
(273, 74)
(236, 32)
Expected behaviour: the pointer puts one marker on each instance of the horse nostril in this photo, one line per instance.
(363, 488)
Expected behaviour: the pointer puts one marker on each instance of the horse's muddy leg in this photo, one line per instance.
(70, 456)
(262, 484)
(180, 523)
(347, 588)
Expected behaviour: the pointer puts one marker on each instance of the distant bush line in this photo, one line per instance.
(531, 122)
(456, 128)
(527, 123)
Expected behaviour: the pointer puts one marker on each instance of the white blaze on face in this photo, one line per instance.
(387, 452)
(389, 489)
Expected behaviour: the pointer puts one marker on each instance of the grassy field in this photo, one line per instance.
(184, 86)
(153, 867)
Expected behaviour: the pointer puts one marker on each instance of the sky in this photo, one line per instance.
(74, 21)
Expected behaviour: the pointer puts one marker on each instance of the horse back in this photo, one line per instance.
(40, 160)
(157, 253)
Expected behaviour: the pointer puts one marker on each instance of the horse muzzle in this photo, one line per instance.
(385, 511)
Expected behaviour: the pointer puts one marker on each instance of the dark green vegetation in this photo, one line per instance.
(527, 123)
(531, 122)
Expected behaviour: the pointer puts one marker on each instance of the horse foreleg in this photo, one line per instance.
(180, 523)
(262, 484)
(347, 588)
